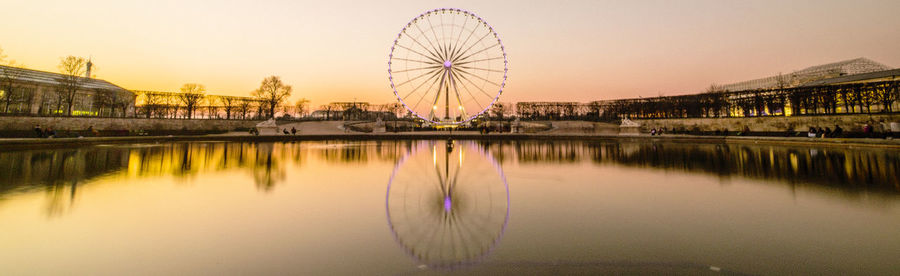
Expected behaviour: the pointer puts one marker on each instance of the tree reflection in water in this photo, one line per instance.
(849, 170)
(60, 172)
(447, 203)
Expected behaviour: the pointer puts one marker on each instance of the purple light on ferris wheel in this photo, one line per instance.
(447, 204)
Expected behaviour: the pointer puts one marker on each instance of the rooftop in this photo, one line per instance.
(892, 74)
(49, 78)
(811, 74)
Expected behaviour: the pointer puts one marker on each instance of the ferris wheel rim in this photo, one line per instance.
(485, 108)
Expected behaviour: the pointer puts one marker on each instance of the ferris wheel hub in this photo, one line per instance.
(447, 64)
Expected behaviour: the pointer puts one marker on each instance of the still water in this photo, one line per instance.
(423, 207)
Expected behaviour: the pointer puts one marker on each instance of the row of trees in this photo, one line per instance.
(557, 110)
(265, 102)
(826, 99)
(360, 111)
(715, 102)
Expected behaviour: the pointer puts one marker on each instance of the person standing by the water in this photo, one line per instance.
(884, 129)
(38, 131)
(92, 131)
(293, 130)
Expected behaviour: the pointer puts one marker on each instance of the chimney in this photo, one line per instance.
(87, 73)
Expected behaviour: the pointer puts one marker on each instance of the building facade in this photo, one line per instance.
(32, 92)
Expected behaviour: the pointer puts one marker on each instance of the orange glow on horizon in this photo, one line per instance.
(337, 51)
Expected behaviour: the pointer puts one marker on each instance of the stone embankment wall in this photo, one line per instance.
(23, 126)
(850, 123)
(582, 127)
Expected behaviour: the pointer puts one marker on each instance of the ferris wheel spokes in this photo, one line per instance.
(467, 90)
(462, 109)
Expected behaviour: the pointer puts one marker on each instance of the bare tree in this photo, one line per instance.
(152, 103)
(781, 81)
(498, 109)
(123, 102)
(191, 94)
(72, 69)
(244, 106)
(302, 107)
(9, 76)
(714, 88)
(171, 104)
(271, 93)
(327, 108)
(105, 100)
(212, 108)
(228, 103)
(395, 108)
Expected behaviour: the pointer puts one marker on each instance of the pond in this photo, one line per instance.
(433, 207)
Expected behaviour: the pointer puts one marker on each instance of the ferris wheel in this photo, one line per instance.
(447, 66)
(447, 205)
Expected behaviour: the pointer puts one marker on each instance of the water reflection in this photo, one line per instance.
(849, 170)
(447, 203)
(212, 207)
(60, 172)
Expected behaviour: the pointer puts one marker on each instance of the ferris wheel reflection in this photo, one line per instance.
(447, 203)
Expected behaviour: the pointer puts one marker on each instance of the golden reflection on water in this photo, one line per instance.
(60, 172)
(307, 207)
(850, 169)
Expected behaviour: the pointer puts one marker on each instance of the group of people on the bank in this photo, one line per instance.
(882, 130)
(292, 131)
(818, 132)
(49, 132)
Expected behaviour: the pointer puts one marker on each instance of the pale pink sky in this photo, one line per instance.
(558, 50)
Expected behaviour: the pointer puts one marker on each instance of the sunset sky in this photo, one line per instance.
(337, 50)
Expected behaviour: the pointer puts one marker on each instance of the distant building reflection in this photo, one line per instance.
(845, 169)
